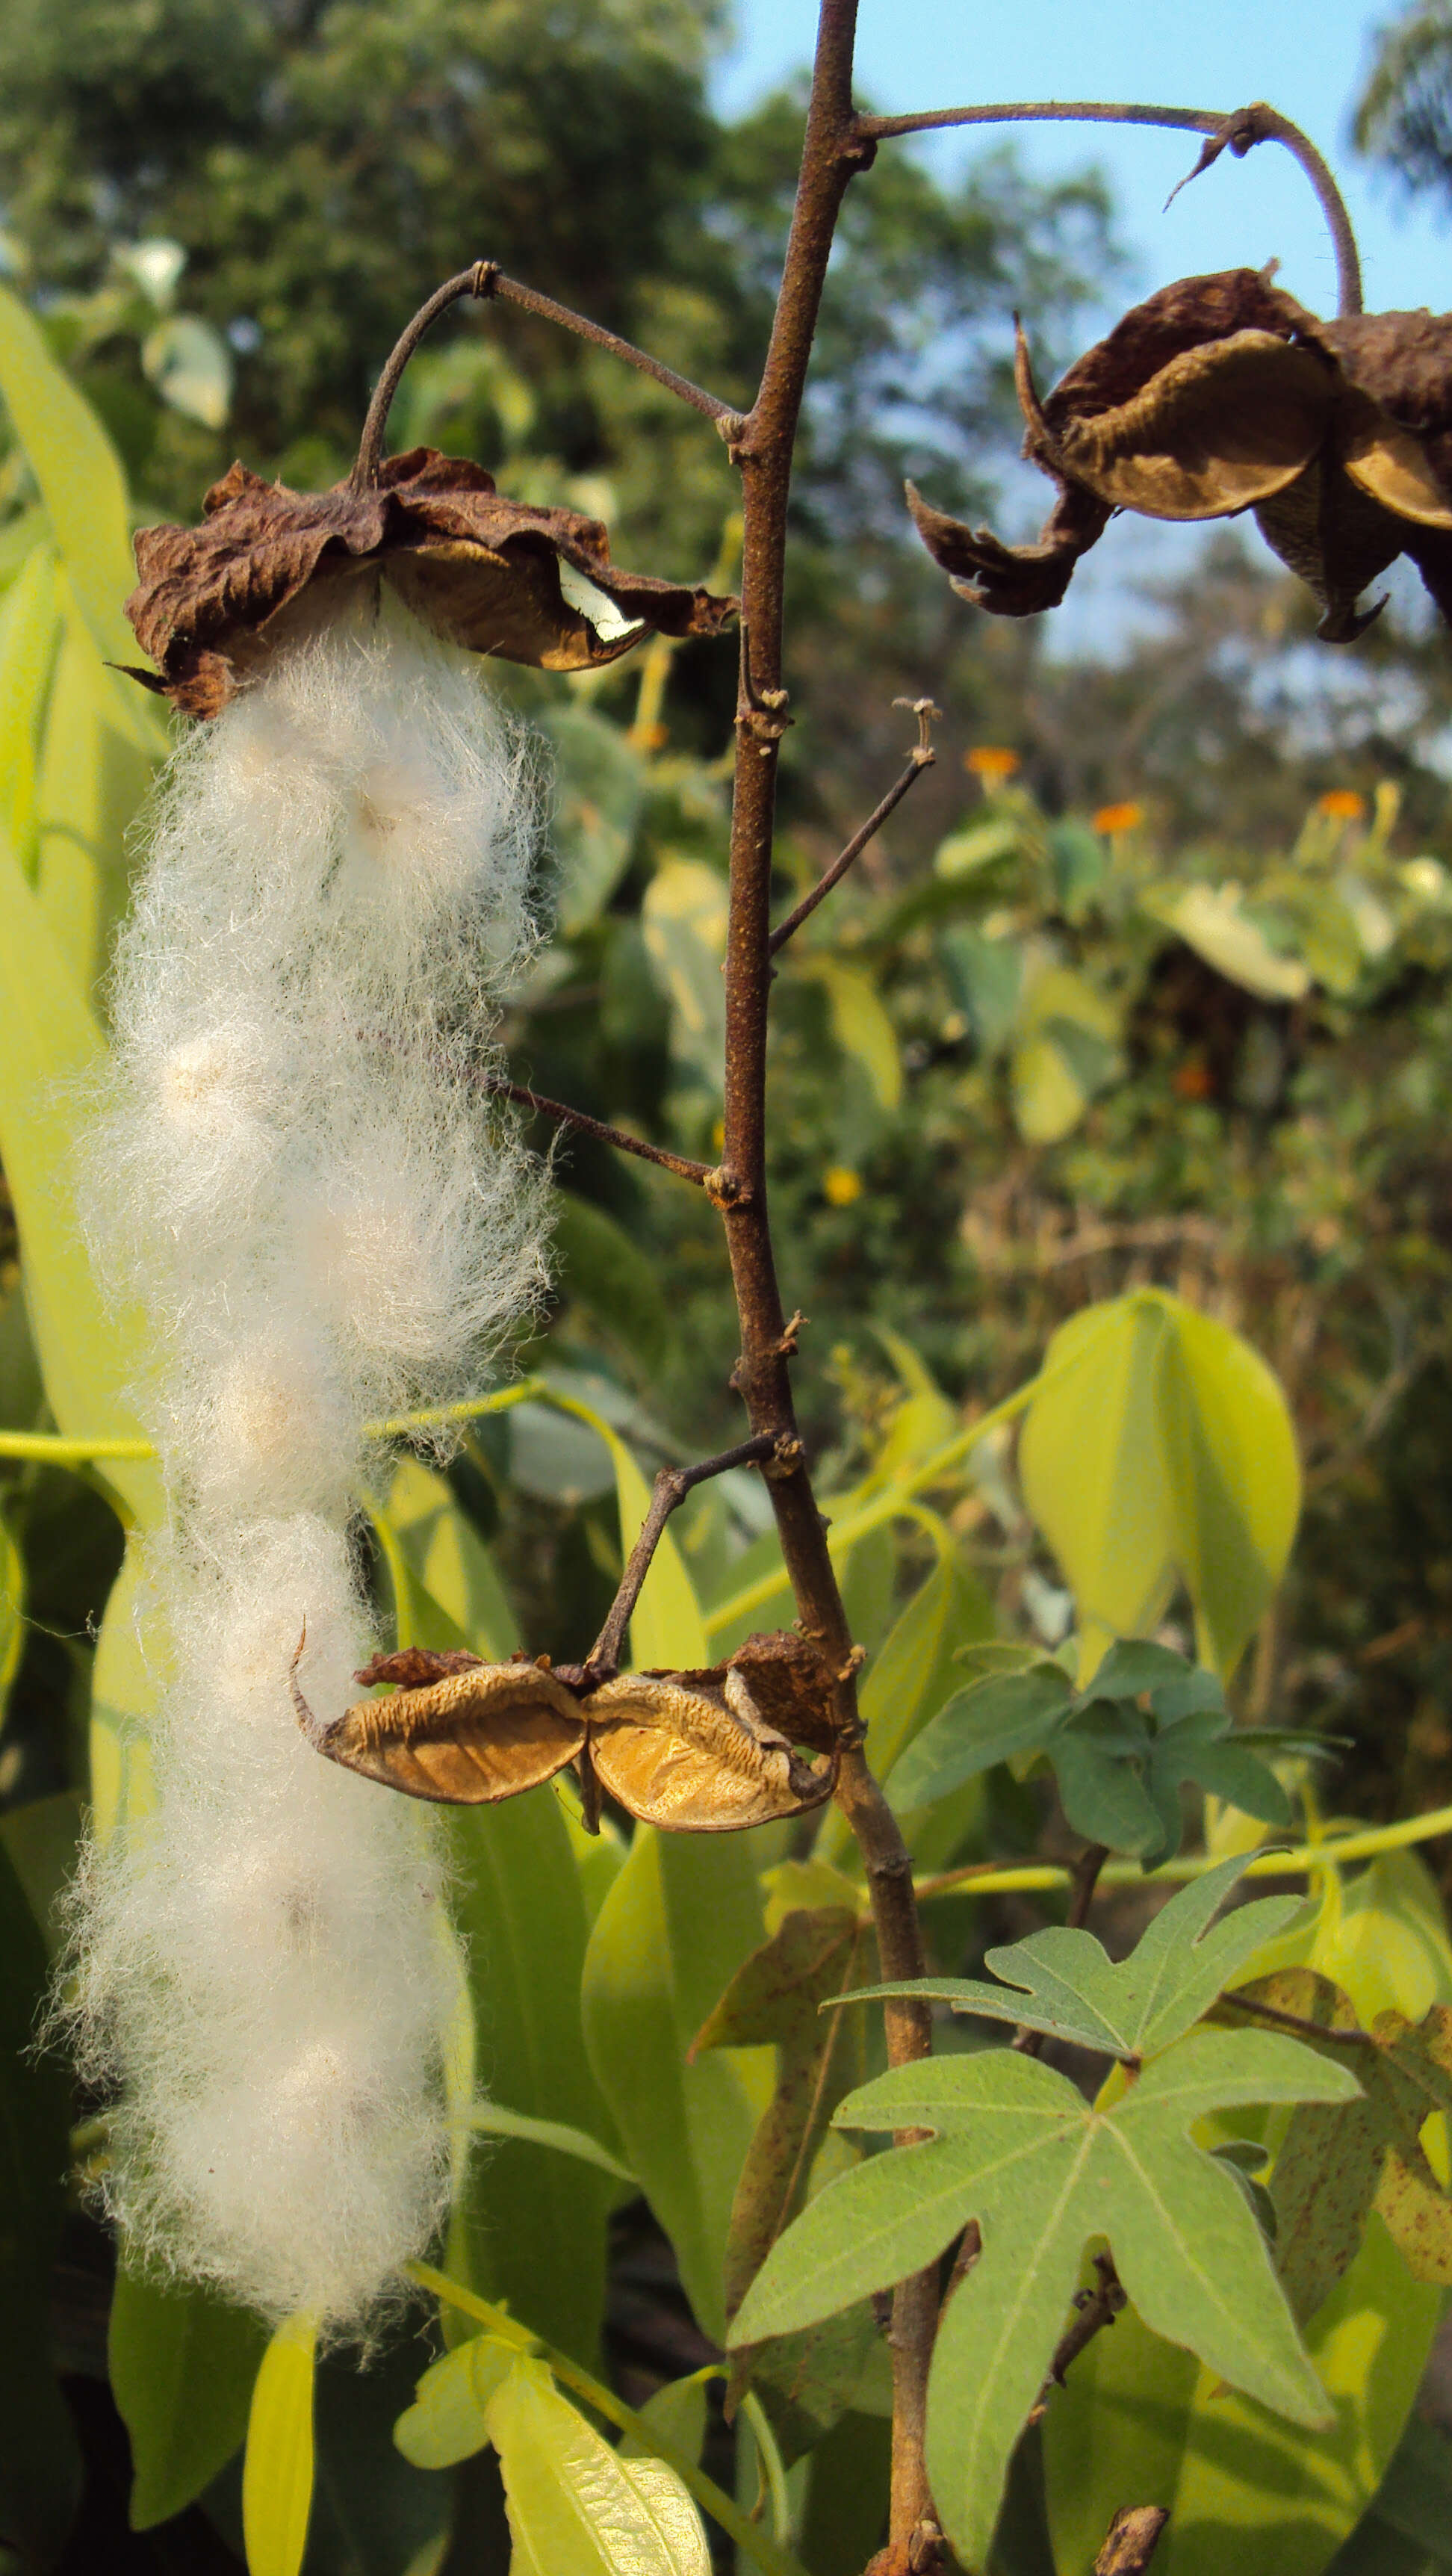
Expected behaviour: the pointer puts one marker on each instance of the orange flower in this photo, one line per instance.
(1118, 818)
(1193, 1081)
(991, 762)
(841, 1185)
(1342, 803)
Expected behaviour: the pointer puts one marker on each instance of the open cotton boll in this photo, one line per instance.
(326, 1220)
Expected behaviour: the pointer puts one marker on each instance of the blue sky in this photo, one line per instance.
(1308, 57)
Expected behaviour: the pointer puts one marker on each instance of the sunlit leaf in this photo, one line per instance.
(1212, 920)
(860, 1025)
(577, 2507)
(911, 1674)
(1160, 1450)
(50, 1052)
(277, 2471)
(78, 472)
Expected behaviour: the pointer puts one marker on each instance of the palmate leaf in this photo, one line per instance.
(1016, 2148)
(1065, 1984)
(1119, 1769)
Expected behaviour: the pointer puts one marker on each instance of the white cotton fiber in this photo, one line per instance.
(299, 1175)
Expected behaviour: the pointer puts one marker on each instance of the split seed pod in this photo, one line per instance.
(501, 577)
(691, 1752)
(1222, 394)
(458, 1731)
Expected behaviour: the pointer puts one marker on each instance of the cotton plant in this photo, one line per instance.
(302, 1176)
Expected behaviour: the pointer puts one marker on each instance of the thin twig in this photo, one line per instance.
(511, 291)
(921, 757)
(1243, 127)
(1096, 2309)
(564, 1116)
(672, 1485)
(364, 476)
(1297, 2022)
(485, 280)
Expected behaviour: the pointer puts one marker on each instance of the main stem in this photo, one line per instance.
(832, 152)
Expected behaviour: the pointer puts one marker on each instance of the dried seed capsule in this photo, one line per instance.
(468, 1739)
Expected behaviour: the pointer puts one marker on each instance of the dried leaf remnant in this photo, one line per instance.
(1221, 394)
(503, 577)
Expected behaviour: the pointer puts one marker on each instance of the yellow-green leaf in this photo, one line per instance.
(79, 474)
(1210, 920)
(94, 775)
(861, 1025)
(683, 918)
(1161, 1451)
(277, 2473)
(576, 2508)
(125, 1680)
(51, 1053)
(30, 632)
(182, 2366)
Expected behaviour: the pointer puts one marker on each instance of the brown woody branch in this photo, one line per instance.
(672, 1485)
(833, 151)
(1238, 131)
(921, 757)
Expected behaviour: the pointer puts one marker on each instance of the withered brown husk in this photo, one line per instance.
(1223, 394)
(482, 571)
(691, 1752)
(467, 1736)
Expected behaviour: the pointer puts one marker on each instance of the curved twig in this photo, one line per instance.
(921, 757)
(486, 279)
(1240, 129)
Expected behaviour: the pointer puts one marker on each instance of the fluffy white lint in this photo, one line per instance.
(299, 1176)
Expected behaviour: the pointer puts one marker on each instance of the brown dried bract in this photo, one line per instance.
(503, 577)
(696, 1757)
(476, 1734)
(1222, 394)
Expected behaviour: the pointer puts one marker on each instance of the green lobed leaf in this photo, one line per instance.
(277, 2470)
(1064, 1983)
(1137, 2416)
(182, 2365)
(987, 1721)
(1160, 1451)
(1017, 2149)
